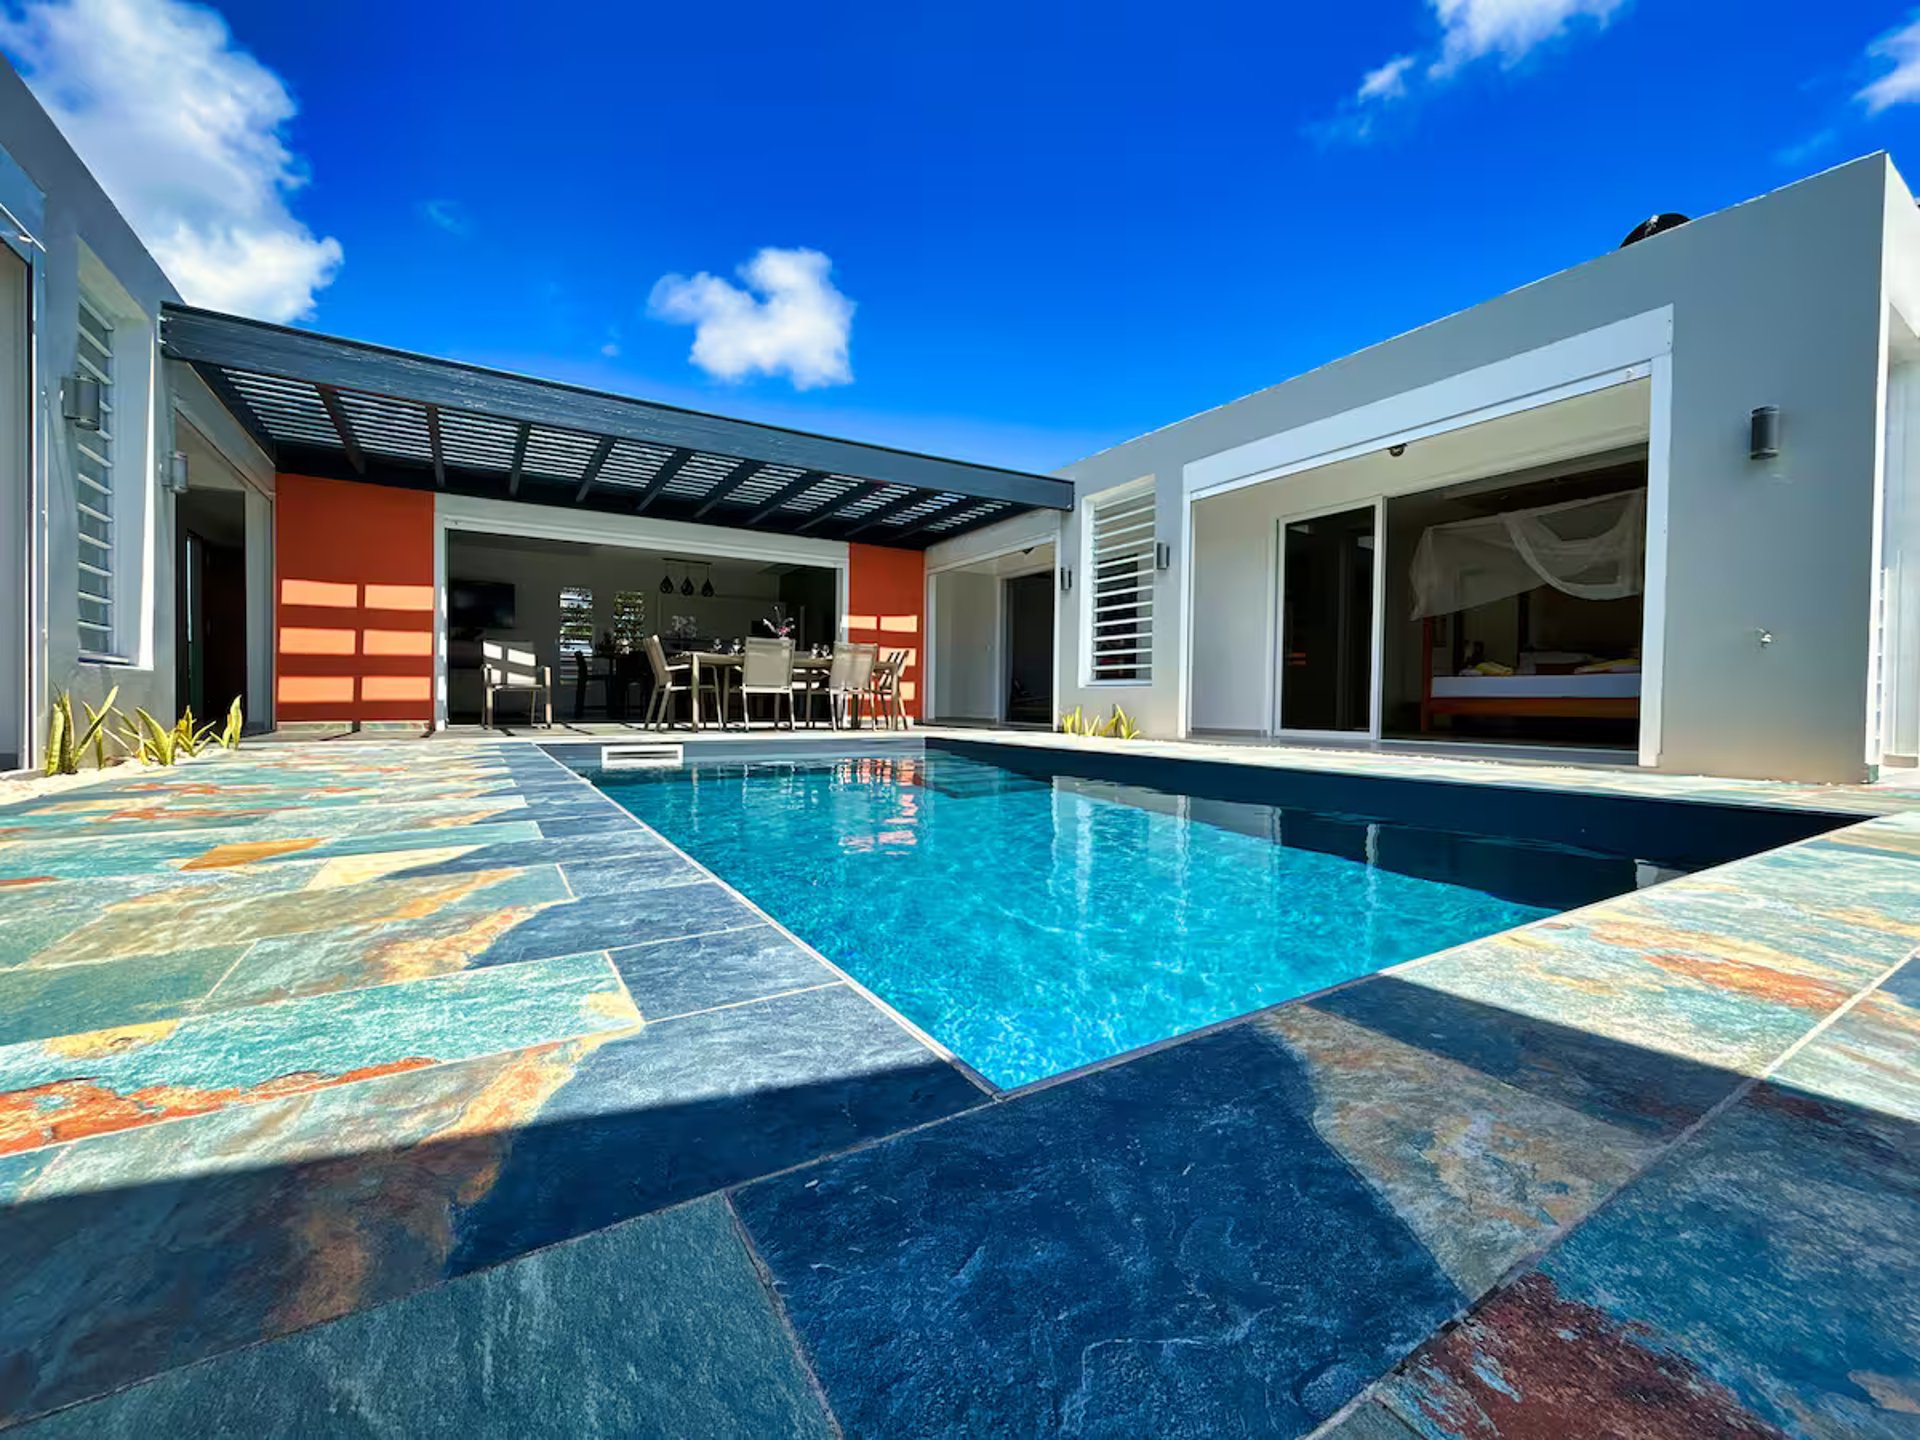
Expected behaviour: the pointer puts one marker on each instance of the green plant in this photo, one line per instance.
(67, 742)
(154, 743)
(189, 737)
(1073, 723)
(230, 732)
(1121, 726)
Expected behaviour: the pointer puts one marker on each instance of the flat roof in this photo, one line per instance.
(344, 409)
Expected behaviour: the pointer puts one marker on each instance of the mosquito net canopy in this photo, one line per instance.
(1594, 549)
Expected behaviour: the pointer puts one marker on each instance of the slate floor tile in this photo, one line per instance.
(692, 1105)
(676, 977)
(616, 920)
(659, 1328)
(1165, 1247)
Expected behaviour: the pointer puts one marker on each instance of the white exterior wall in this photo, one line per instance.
(1777, 302)
(80, 240)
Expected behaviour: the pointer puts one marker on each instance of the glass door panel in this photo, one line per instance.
(1326, 647)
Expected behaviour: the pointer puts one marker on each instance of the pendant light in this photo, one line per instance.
(686, 584)
(666, 581)
(706, 585)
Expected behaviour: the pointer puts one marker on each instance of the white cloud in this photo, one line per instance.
(790, 319)
(1472, 29)
(1900, 85)
(183, 131)
(448, 215)
(1389, 82)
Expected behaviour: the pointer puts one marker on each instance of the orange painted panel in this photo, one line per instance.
(400, 597)
(398, 642)
(357, 561)
(886, 599)
(299, 640)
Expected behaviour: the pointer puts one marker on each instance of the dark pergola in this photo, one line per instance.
(340, 409)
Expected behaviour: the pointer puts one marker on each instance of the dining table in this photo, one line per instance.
(723, 664)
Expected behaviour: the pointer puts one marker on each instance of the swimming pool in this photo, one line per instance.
(1033, 924)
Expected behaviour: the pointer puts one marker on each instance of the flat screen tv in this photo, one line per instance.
(479, 605)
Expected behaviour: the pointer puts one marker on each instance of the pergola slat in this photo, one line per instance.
(669, 468)
(736, 479)
(594, 462)
(336, 412)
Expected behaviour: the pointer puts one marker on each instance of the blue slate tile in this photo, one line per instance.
(636, 844)
(609, 922)
(599, 823)
(675, 977)
(1165, 1247)
(1644, 1090)
(693, 1105)
(639, 869)
(659, 1328)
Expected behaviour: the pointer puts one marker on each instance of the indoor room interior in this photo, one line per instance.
(585, 611)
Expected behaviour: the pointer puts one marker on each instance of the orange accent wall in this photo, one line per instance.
(886, 606)
(353, 578)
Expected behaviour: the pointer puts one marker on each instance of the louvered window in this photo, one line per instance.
(1121, 644)
(93, 476)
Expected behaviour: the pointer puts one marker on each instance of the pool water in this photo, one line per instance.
(1033, 925)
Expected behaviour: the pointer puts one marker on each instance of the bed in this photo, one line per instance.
(1591, 549)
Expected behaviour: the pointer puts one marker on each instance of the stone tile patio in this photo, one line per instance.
(416, 1088)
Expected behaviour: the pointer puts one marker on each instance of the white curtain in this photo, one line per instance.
(1594, 549)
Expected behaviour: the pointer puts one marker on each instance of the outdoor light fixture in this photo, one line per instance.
(706, 585)
(1066, 578)
(1763, 433)
(177, 472)
(80, 401)
(1163, 556)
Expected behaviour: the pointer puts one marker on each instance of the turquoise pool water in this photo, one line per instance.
(1035, 925)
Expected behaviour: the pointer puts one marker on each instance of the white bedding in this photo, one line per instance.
(1537, 687)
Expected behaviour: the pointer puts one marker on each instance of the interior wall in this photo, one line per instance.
(966, 614)
(886, 604)
(354, 577)
(1234, 630)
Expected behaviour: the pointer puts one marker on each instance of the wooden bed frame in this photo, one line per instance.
(1557, 707)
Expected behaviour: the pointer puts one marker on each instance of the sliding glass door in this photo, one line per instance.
(1327, 587)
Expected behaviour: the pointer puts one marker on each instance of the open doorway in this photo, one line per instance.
(584, 612)
(993, 633)
(1028, 603)
(1517, 607)
(210, 602)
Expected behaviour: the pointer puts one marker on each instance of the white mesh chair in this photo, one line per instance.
(885, 691)
(848, 679)
(670, 680)
(509, 668)
(767, 670)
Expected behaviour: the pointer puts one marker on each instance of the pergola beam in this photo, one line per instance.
(785, 493)
(734, 479)
(846, 502)
(433, 444)
(669, 468)
(594, 462)
(343, 427)
(520, 439)
(889, 510)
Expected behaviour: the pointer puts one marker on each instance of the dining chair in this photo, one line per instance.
(887, 698)
(670, 680)
(847, 677)
(767, 670)
(510, 668)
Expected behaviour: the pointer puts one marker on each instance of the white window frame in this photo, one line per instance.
(1130, 496)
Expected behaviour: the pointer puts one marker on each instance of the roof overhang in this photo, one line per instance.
(341, 409)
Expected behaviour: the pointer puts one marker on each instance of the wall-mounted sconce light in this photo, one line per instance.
(1763, 433)
(1066, 578)
(1163, 556)
(177, 472)
(80, 401)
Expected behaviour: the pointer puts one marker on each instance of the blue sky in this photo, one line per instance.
(1048, 228)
